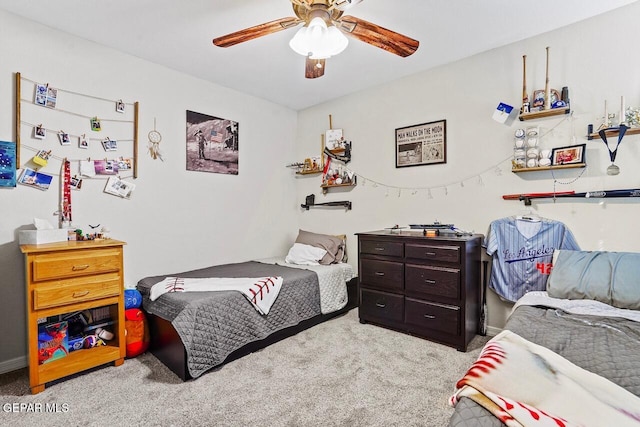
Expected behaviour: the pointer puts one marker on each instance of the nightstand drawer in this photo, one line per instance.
(431, 280)
(73, 264)
(381, 305)
(433, 253)
(438, 317)
(385, 274)
(380, 247)
(73, 291)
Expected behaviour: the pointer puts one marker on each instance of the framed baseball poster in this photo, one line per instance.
(424, 144)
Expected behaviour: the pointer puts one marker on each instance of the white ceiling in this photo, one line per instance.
(178, 35)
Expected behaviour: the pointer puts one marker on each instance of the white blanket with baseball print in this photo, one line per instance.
(260, 291)
(524, 384)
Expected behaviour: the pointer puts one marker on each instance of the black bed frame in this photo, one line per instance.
(167, 346)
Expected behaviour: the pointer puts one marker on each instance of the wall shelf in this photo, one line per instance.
(544, 113)
(546, 168)
(608, 133)
(327, 187)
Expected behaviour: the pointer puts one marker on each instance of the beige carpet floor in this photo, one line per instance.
(339, 373)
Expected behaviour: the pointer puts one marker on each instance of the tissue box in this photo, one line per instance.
(37, 237)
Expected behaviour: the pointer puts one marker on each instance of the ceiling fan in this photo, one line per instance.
(323, 33)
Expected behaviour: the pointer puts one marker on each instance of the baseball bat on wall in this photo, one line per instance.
(547, 89)
(527, 197)
(525, 97)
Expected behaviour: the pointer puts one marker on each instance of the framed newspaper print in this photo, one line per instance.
(423, 144)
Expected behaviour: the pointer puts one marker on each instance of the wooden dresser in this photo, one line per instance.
(68, 277)
(424, 286)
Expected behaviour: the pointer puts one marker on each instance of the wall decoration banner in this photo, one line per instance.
(212, 144)
(7, 164)
(423, 144)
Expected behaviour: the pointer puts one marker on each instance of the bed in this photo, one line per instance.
(586, 323)
(194, 332)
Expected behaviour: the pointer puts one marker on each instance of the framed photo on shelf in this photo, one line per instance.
(568, 155)
(423, 144)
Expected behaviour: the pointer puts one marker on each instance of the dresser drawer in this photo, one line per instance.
(431, 280)
(381, 305)
(385, 274)
(439, 253)
(74, 263)
(74, 291)
(380, 247)
(437, 317)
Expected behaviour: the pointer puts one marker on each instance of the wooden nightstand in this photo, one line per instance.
(68, 277)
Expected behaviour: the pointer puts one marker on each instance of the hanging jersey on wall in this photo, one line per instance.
(522, 253)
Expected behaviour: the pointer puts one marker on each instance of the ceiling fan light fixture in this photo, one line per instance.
(318, 41)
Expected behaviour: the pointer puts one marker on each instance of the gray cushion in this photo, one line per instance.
(609, 277)
(332, 244)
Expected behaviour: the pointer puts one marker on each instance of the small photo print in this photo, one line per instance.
(105, 167)
(76, 183)
(118, 187)
(52, 97)
(125, 164)
(41, 95)
(95, 124)
(42, 158)
(119, 106)
(64, 138)
(109, 145)
(34, 179)
(82, 142)
(39, 132)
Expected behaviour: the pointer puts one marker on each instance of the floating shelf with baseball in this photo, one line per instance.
(544, 113)
(610, 132)
(546, 168)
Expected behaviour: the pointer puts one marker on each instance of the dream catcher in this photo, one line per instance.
(154, 143)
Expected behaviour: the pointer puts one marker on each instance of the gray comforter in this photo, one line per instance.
(214, 324)
(609, 347)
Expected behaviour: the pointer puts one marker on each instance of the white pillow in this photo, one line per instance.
(304, 254)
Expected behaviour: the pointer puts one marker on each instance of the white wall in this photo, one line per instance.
(176, 220)
(594, 59)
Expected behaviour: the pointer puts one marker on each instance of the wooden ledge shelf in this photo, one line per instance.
(544, 113)
(309, 172)
(608, 133)
(546, 168)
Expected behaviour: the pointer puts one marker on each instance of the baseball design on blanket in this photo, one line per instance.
(261, 292)
(522, 249)
(550, 391)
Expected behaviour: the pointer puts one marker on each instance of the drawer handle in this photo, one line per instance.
(429, 316)
(80, 294)
(80, 267)
(380, 305)
(379, 249)
(429, 281)
(379, 273)
(430, 253)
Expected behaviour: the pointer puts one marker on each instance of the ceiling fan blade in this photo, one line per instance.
(256, 31)
(378, 36)
(314, 68)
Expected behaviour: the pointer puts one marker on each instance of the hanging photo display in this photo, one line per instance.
(424, 144)
(118, 187)
(212, 144)
(7, 164)
(46, 96)
(39, 132)
(64, 138)
(35, 179)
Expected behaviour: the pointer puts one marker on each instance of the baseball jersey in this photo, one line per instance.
(522, 252)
